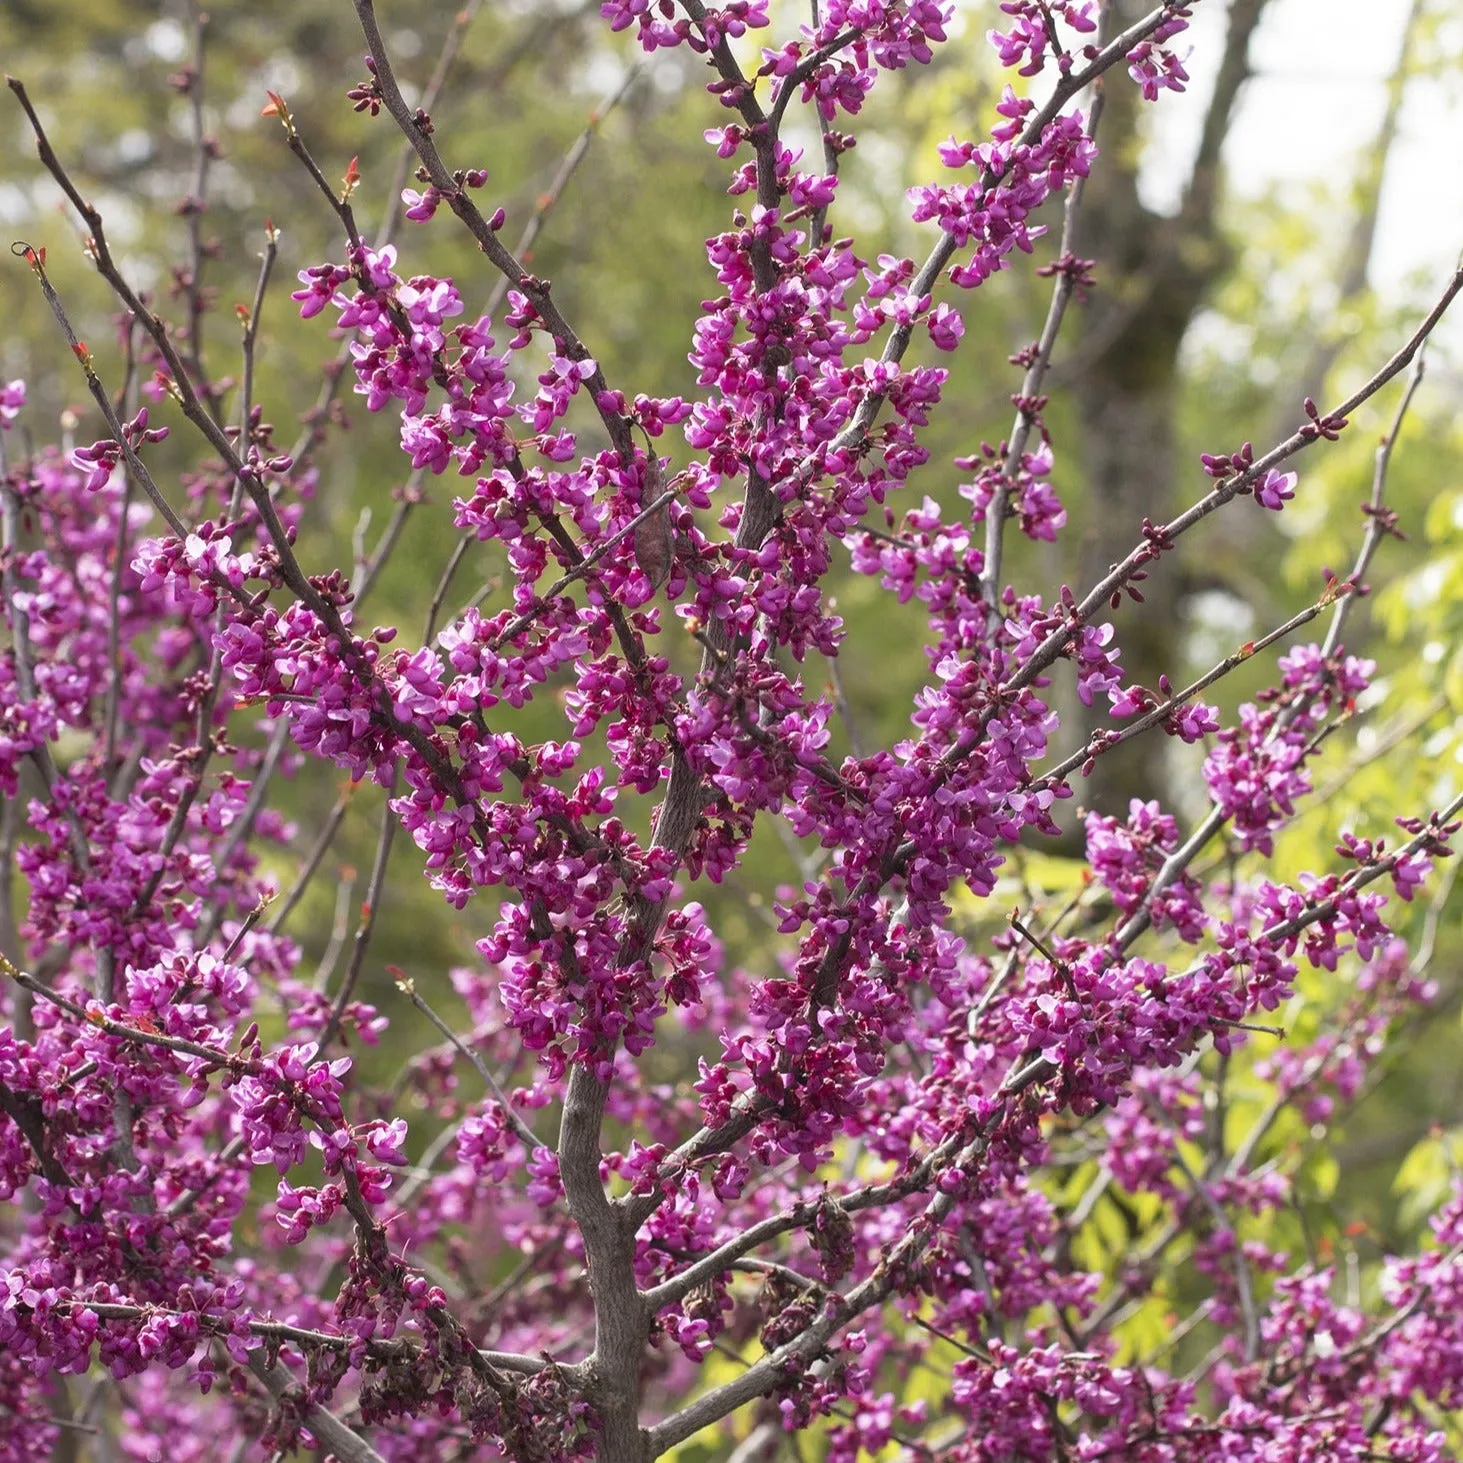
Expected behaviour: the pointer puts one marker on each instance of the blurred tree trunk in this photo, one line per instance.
(1356, 256)
(1153, 273)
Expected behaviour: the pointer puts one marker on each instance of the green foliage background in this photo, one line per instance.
(623, 246)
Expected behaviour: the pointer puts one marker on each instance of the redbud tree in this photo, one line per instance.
(638, 1194)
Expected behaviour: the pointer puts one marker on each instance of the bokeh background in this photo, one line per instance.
(1274, 233)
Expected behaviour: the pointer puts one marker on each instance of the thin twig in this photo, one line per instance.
(526, 1135)
(313, 860)
(549, 199)
(457, 199)
(364, 929)
(1068, 272)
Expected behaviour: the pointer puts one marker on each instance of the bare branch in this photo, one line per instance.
(344, 1442)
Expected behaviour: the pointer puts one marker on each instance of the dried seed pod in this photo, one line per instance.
(654, 549)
